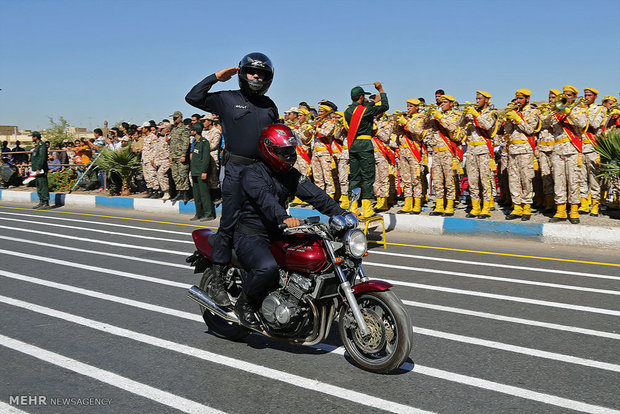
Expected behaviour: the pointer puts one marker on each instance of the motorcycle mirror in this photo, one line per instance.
(355, 195)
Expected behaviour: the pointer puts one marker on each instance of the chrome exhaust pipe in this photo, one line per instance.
(198, 295)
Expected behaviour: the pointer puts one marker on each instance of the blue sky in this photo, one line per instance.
(91, 61)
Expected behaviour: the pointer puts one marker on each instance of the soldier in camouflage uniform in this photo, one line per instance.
(566, 156)
(522, 123)
(341, 154)
(590, 189)
(179, 147)
(212, 134)
(161, 160)
(322, 152)
(480, 123)
(306, 132)
(380, 142)
(149, 168)
(411, 158)
(544, 153)
(443, 125)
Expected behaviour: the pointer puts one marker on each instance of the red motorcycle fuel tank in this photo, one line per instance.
(300, 253)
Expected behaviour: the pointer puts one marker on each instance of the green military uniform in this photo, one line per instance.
(39, 162)
(179, 146)
(199, 165)
(361, 152)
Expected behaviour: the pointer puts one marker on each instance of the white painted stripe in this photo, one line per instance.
(508, 298)
(82, 239)
(500, 265)
(80, 200)
(103, 223)
(496, 278)
(91, 230)
(419, 330)
(497, 387)
(10, 409)
(511, 319)
(124, 383)
(20, 196)
(462, 311)
(96, 269)
(315, 385)
(417, 224)
(581, 235)
(291, 379)
(77, 249)
(155, 206)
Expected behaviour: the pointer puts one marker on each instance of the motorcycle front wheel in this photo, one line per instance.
(219, 326)
(390, 339)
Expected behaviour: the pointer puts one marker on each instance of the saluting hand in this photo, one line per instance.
(225, 74)
(379, 87)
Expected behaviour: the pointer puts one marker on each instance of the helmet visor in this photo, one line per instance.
(287, 154)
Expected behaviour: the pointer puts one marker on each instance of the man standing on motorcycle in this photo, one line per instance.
(266, 188)
(243, 114)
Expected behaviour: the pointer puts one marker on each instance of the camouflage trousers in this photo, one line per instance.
(162, 175)
(214, 171)
(545, 168)
(443, 175)
(590, 185)
(520, 177)
(479, 176)
(322, 170)
(342, 163)
(381, 186)
(566, 178)
(150, 176)
(410, 173)
(180, 175)
(302, 166)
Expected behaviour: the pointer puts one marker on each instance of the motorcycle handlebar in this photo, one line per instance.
(301, 223)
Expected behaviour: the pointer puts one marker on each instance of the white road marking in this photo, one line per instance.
(419, 330)
(461, 311)
(496, 278)
(91, 230)
(273, 374)
(87, 240)
(103, 223)
(500, 265)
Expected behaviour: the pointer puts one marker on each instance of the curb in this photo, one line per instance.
(598, 236)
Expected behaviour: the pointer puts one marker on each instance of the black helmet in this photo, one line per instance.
(255, 62)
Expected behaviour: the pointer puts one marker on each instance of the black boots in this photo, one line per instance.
(245, 312)
(43, 205)
(216, 289)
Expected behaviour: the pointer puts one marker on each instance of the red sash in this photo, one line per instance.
(304, 154)
(530, 138)
(592, 136)
(456, 150)
(338, 146)
(354, 125)
(387, 153)
(413, 147)
(570, 131)
(324, 142)
(484, 134)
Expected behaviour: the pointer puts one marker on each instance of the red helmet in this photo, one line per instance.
(278, 147)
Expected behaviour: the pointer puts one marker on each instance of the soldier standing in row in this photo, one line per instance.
(411, 158)
(38, 162)
(442, 126)
(544, 153)
(149, 168)
(341, 155)
(522, 123)
(322, 152)
(306, 131)
(383, 158)
(161, 161)
(199, 168)
(212, 134)
(480, 125)
(567, 126)
(179, 148)
(590, 189)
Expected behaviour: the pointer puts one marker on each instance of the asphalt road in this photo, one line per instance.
(94, 318)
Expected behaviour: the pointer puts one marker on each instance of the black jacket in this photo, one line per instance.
(265, 195)
(242, 118)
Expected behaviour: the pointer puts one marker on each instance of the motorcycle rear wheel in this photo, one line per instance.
(390, 341)
(217, 325)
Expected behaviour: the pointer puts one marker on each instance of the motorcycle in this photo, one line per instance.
(320, 276)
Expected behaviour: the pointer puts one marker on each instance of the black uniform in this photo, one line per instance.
(243, 118)
(264, 197)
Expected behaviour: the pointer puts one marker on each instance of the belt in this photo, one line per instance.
(246, 229)
(320, 149)
(440, 148)
(546, 143)
(519, 141)
(475, 143)
(586, 141)
(238, 159)
(561, 141)
(363, 137)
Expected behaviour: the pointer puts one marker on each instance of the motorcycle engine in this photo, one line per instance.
(282, 307)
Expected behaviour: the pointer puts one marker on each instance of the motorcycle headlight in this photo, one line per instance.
(355, 243)
(337, 223)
